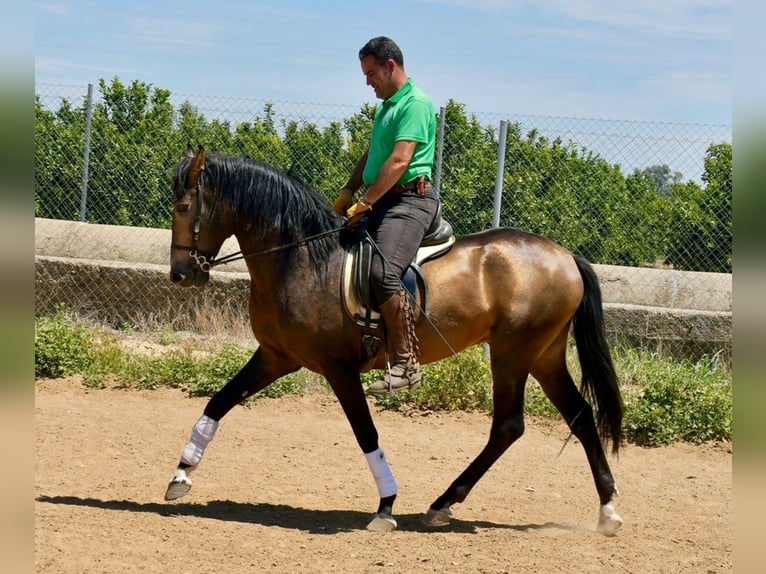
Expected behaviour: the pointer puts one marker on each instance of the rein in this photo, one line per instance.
(239, 255)
(206, 262)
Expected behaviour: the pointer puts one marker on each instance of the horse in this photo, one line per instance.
(514, 291)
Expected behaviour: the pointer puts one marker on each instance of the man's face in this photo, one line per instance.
(379, 76)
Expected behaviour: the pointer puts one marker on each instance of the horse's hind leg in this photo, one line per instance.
(261, 370)
(554, 378)
(507, 426)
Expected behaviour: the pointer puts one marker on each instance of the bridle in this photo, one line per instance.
(205, 261)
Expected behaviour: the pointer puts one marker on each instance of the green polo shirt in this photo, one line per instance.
(408, 115)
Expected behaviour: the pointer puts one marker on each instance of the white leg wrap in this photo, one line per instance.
(609, 522)
(382, 473)
(202, 433)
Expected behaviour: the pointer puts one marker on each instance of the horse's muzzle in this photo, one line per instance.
(189, 278)
(176, 277)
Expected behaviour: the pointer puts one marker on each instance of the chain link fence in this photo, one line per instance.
(627, 193)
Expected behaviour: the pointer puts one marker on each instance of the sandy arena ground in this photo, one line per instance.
(284, 488)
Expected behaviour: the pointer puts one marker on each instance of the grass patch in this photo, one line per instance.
(670, 401)
(64, 346)
(666, 401)
(460, 383)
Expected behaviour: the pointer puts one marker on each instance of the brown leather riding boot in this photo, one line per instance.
(402, 345)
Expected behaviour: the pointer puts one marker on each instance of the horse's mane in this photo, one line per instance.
(272, 203)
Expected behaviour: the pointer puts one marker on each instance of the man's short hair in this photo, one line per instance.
(382, 49)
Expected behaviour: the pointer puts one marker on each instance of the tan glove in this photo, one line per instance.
(357, 212)
(344, 201)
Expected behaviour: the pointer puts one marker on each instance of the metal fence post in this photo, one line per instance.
(439, 151)
(499, 175)
(86, 152)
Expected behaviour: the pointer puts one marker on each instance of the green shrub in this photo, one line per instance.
(292, 384)
(296, 383)
(678, 401)
(108, 361)
(175, 369)
(462, 382)
(62, 347)
(206, 376)
(537, 403)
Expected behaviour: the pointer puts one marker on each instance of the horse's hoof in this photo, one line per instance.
(609, 522)
(437, 517)
(382, 523)
(179, 486)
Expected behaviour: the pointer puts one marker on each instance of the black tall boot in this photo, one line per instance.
(402, 345)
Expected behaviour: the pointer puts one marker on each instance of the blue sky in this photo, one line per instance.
(656, 60)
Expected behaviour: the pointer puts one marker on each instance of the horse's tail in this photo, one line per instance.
(599, 380)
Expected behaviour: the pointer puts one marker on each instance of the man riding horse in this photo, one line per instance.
(399, 201)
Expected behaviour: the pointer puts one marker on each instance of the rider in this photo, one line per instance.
(399, 201)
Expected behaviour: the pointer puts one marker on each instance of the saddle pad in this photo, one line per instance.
(355, 285)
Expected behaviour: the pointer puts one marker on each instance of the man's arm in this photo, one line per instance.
(355, 181)
(392, 170)
(346, 194)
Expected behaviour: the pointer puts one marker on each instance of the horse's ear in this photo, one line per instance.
(189, 151)
(197, 165)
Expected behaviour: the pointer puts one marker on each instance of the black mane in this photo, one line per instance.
(272, 202)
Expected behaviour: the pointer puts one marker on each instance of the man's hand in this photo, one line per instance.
(344, 201)
(357, 212)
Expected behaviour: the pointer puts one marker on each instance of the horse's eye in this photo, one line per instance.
(182, 207)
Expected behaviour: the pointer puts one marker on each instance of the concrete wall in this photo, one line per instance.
(117, 274)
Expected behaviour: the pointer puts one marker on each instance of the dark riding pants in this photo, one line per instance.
(398, 223)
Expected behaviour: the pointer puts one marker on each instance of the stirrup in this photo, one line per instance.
(409, 379)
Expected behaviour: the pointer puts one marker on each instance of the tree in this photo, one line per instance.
(59, 141)
(260, 140)
(566, 193)
(468, 172)
(315, 155)
(702, 238)
(662, 178)
(645, 221)
(131, 148)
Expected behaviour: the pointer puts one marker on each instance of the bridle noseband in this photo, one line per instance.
(203, 260)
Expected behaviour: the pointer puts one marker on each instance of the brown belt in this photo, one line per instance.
(418, 184)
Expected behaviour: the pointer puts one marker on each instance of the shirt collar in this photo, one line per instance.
(401, 92)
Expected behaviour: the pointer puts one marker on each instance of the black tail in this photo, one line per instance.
(599, 380)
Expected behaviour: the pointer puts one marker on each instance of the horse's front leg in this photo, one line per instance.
(348, 388)
(261, 370)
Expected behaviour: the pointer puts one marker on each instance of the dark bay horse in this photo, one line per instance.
(513, 290)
